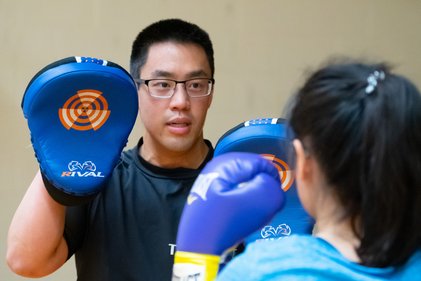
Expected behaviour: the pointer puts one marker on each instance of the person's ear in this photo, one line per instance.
(210, 99)
(301, 168)
(305, 177)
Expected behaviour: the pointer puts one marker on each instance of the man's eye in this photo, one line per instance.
(197, 85)
(164, 85)
(161, 84)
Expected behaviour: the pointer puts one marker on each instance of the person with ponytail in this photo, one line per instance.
(357, 139)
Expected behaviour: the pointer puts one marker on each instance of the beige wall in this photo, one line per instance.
(261, 50)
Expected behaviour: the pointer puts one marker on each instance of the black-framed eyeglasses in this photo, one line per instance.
(165, 88)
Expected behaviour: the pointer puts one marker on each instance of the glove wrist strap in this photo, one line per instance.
(194, 266)
(62, 197)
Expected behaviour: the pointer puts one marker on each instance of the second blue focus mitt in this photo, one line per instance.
(270, 138)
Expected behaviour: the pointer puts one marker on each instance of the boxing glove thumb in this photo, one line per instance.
(235, 194)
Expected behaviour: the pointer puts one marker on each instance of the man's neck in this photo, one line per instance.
(164, 158)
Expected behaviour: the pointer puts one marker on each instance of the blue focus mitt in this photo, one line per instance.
(80, 112)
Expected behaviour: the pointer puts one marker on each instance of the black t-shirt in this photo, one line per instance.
(128, 232)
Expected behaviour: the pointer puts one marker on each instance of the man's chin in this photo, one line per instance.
(181, 143)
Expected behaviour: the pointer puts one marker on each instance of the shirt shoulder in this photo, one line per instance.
(303, 257)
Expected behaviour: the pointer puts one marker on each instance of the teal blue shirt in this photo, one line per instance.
(303, 257)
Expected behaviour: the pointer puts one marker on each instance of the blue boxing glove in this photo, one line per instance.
(80, 112)
(235, 194)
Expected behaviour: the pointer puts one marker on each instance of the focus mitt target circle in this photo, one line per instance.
(270, 138)
(80, 112)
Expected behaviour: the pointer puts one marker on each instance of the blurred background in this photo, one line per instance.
(262, 52)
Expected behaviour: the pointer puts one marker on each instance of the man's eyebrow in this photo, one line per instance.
(166, 74)
(161, 73)
(198, 73)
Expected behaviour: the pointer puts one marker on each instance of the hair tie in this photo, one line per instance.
(372, 81)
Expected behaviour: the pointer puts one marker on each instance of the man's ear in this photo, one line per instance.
(210, 99)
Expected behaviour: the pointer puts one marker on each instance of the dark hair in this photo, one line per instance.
(368, 144)
(168, 30)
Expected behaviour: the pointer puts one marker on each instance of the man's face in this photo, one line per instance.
(174, 124)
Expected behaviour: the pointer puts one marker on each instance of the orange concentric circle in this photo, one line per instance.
(87, 110)
(285, 173)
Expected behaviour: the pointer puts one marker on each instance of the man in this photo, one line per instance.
(128, 231)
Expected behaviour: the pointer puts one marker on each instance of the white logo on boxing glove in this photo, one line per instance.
(201, 186)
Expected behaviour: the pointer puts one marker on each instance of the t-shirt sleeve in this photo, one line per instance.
(75, 228)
